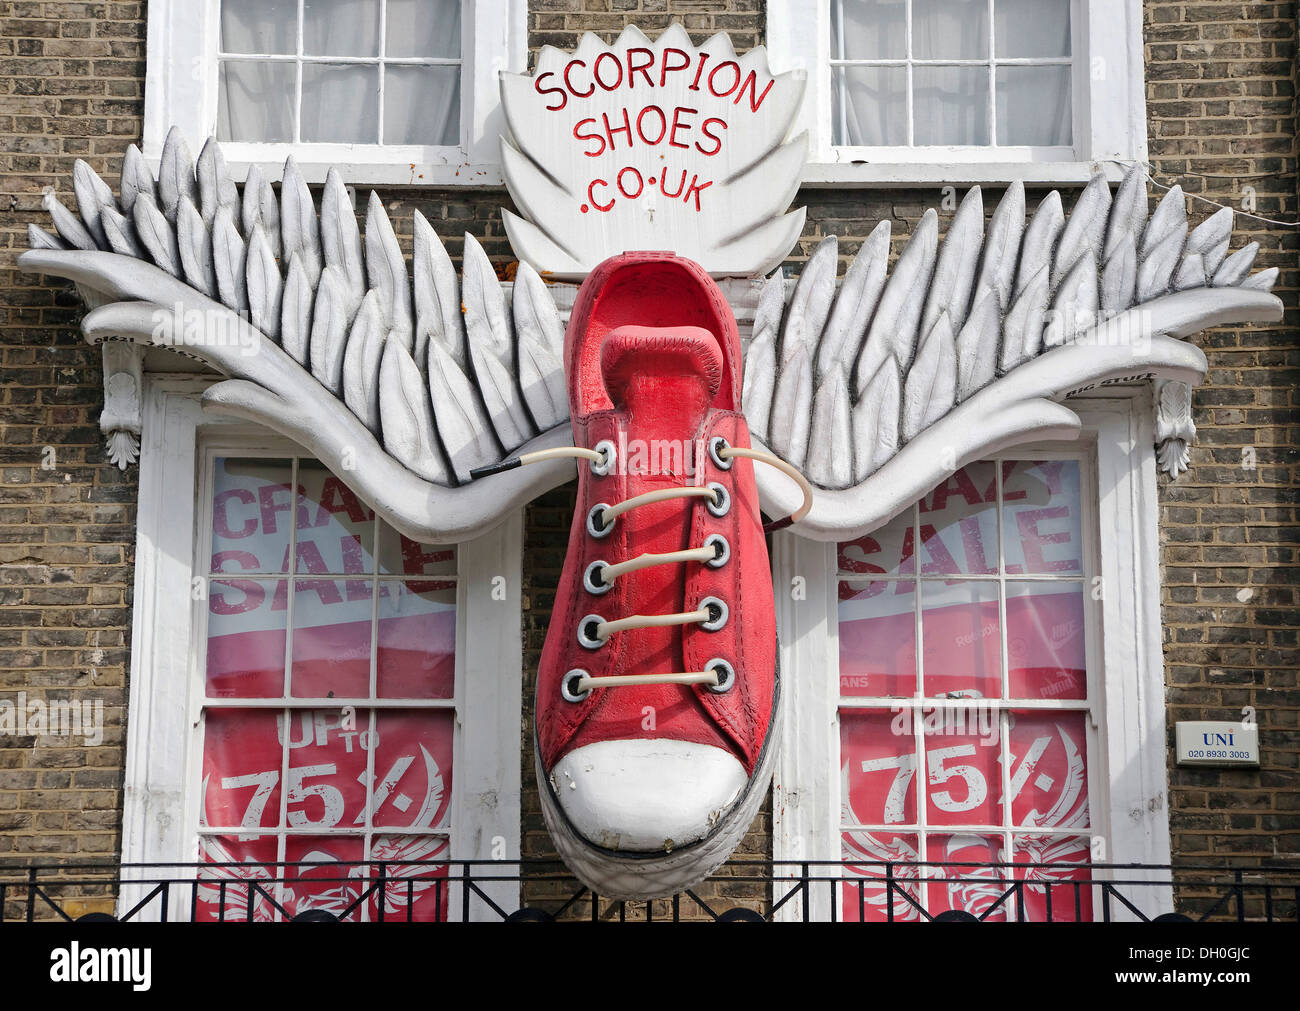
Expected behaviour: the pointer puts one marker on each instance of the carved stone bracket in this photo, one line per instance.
(1175, 430)
(123, 384)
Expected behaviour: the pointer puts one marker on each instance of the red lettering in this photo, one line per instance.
(937, 550)
(717, 141)
(415, 558)
(735, 81)
(751, 82)
(269, 506)
(598, 138)
(639, 68)
(591, 195)
(679, 125)
(663, 183)
(537, 86)
(665, 69)
(695, 189)
(246, 559)
(254, 595)
(336, 497)
(695, 84)
(1032, 540)
(640, 184)
(626, 128)
(221, 517)
(663, 124)
(568, 68)
(595, 70)
(964, 487)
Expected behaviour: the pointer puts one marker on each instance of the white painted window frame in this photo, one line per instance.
(164, 748)
(181, 89)
(1128, 788)
(1109, 108)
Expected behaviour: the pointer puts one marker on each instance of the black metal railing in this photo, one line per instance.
(744, 889)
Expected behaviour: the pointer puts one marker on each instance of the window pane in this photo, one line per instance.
(422, 105)
(879, 756)
(950, 105)
(319, 883)
(963, 774)
(340, 27)
(1041, 517)
(956, 29)
(1049, 774)
(869, 106)
(863, 894)
(959, 524)
(241, 768)
(871, 29)
(413, 769)
(961, 633)
(1034, 106)
(331, 638)
(251, 519)
(887, 551)
(1046, 647)
(423, 28)
(236, 894)
(340, 104)
(259, 26)
(336, 531)
(1032, 28)
(416, 892)
(877, 634)
(246, 638)
(401, 556)
(1067, 859)
(417, 640)
(974, 890)
(256, 102)
(327, 769)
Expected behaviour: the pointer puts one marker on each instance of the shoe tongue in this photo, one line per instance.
(674, 372)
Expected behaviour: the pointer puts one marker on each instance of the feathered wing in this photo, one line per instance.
(319, 334)
(884, 388)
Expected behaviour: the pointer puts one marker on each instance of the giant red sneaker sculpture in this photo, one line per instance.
(657, 690)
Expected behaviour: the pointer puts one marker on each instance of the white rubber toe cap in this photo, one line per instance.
(646, 796)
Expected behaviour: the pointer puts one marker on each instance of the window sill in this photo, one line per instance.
(860, 174)
(360, 165)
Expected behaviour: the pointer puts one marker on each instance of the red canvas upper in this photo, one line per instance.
(653, 361)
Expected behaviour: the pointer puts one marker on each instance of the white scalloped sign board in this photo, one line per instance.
(653, 145)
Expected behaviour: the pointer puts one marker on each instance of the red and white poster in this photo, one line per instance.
(330, 776)
(948, 796)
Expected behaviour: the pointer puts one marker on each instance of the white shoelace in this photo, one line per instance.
(593, 630)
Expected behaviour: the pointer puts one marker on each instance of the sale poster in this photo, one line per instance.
(314, 601)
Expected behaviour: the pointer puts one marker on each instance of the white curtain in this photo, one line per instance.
(340, 101)
(951, 104)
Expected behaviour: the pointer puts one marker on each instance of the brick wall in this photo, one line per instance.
(1221, 85)
(72, 88)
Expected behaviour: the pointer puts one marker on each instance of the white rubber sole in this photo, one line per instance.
(639, 876)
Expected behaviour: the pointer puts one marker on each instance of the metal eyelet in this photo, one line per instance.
(720, 504)
(717, 614)
(716, 445)
(721, 549)
(586, 639)
(569, 686)
(726, 676)
(593, 580)
(606, 465)
(593, 528)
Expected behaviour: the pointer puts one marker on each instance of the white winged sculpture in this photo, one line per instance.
(404, 377)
